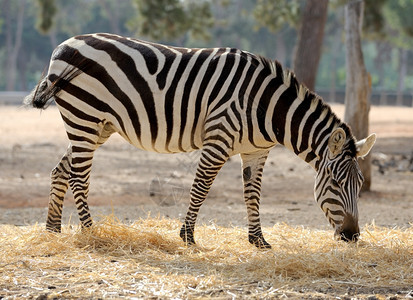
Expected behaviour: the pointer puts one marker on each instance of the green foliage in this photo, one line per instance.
(275, 14)
(264, 27)
(398, 15)
(171, 19)
(374, 22)
(46, 13)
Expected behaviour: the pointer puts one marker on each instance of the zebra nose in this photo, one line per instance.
(350, 230)
(349, 236)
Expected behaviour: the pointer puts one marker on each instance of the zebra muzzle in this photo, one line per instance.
(349, 231)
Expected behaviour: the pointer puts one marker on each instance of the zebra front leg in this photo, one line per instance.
(59, 185)
(208, 167)
(252, 167)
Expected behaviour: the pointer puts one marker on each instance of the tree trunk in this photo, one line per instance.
(358, 82)
(333, 64)
(402, 75)
(21, 70)
(383, 54)
(310, 42)
(13, 47)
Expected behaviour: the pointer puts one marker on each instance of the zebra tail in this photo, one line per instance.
(36, 97)
(45, 91)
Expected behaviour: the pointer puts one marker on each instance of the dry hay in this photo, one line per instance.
(148, 259)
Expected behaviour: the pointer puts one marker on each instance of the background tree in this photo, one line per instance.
(309, 21)
(46, 13)
(397, 15)
(113, 13)
(265, 27)
(14, 21)
(358, 83)
(310, 41)
(171, 19)
(282, 18)
(235, 26)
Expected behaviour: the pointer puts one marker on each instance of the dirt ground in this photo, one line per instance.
(132, 183)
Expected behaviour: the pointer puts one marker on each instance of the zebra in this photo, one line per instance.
(221, 101)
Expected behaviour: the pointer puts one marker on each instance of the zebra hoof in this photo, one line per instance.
(86, 227)
(259, 242)
(187, 236)
(56, 228)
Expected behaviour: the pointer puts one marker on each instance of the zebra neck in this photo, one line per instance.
(302, 122)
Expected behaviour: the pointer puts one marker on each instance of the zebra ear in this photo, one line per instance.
(364, 146)
(336, 141)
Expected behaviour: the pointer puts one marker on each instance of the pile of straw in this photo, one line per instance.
(148, 259)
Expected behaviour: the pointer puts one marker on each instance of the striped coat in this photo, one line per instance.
(223, 101)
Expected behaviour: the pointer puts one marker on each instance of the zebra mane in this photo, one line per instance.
(304, 94)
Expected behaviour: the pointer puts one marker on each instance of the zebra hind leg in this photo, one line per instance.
(253, 165)
(59, 185)
(82, 156)
(79, 183)
(208, 167)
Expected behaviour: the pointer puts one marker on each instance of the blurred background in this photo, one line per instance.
(31, 29)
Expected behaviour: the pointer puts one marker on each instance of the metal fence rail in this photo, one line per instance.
(376, 98)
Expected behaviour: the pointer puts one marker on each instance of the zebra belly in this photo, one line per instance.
(177, 144)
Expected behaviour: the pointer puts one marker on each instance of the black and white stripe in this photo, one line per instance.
(168, 99)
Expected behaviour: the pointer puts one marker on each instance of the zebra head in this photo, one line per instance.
(339, 180)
